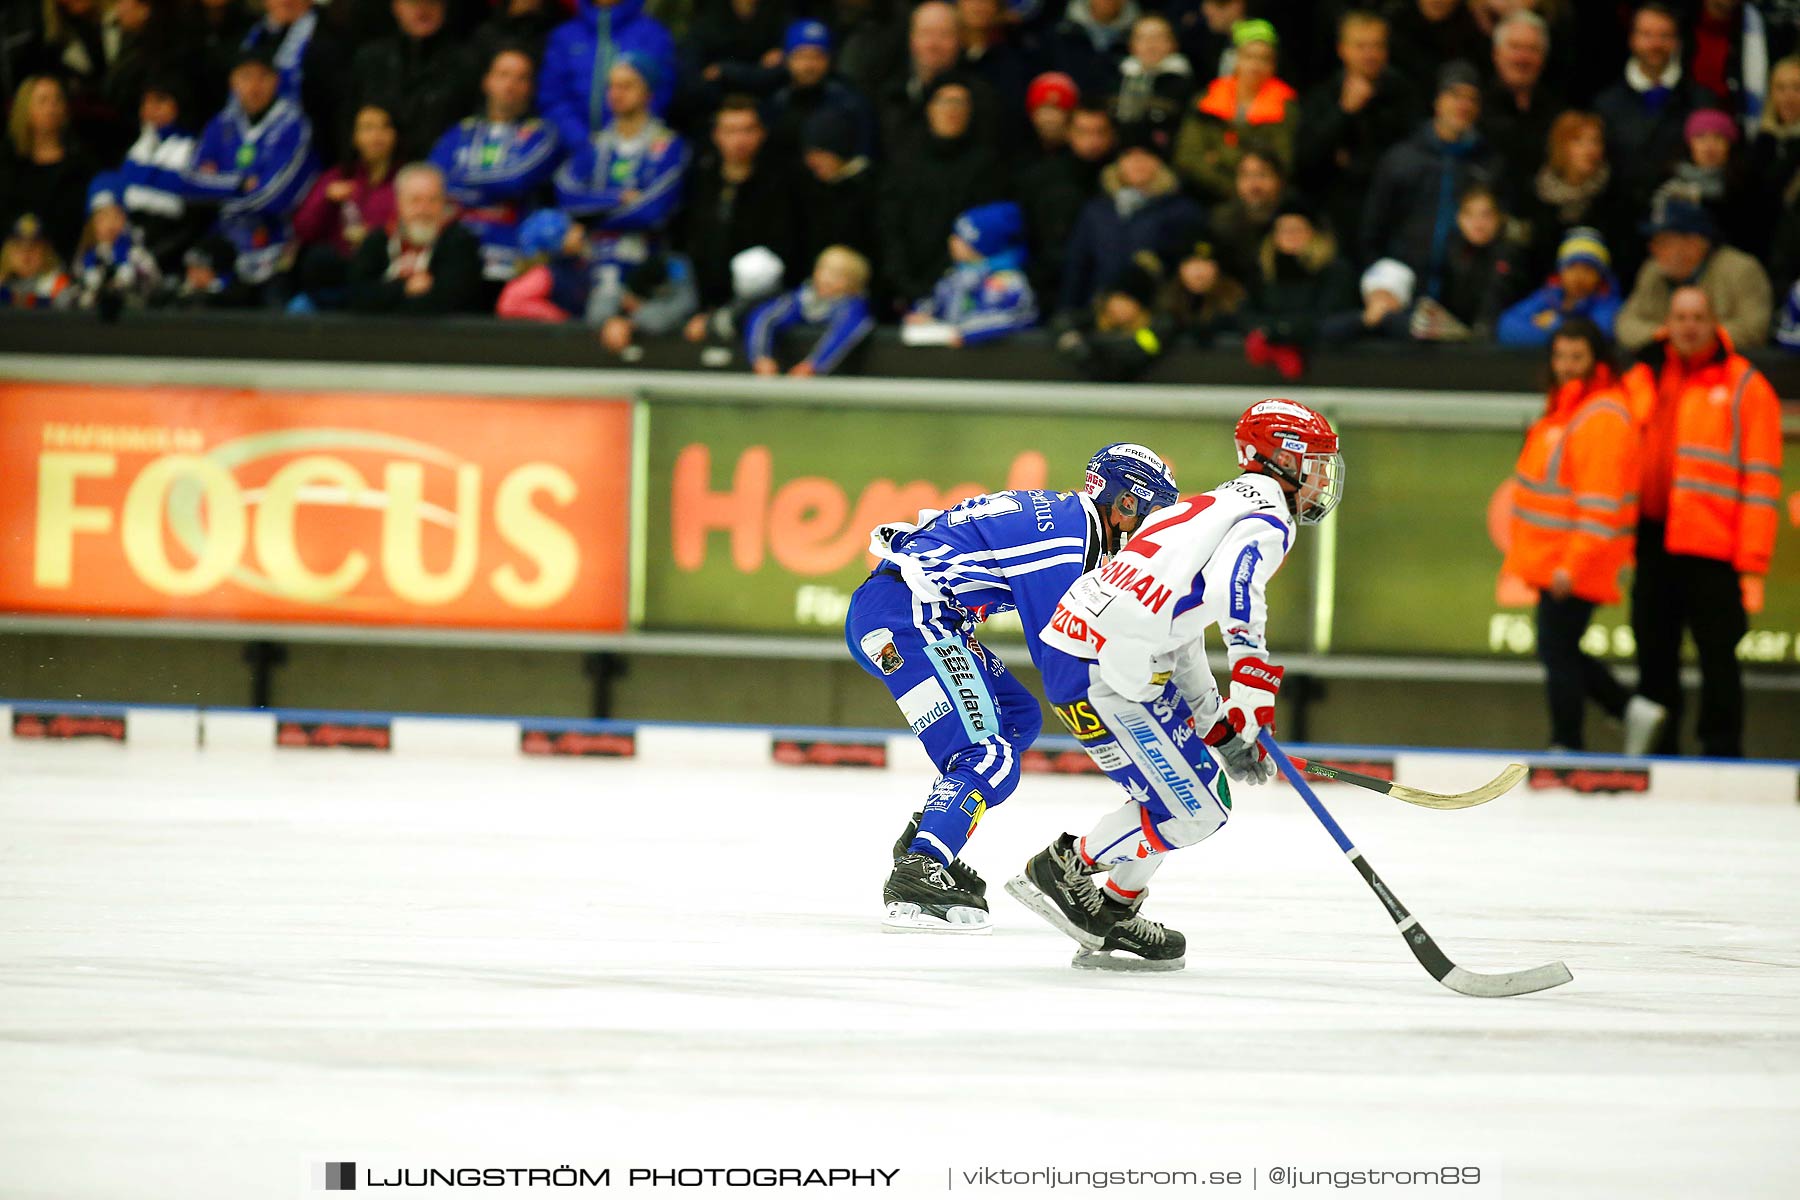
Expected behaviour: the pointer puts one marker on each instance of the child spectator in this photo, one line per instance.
(1155, 81)
(1583, 286)
(153, 170)
(1115, 339)
(1201, 300)
(834, 302)
(497, 161)
(1478, 275)
(555, 276)
(31, 276)
(756, 275)
(1251, 100)
(654, 298)
(255, 161)
(1301, 281)
(209, 277)
(984, 295)
(1387, 296)
(349, 201)
(112, 267)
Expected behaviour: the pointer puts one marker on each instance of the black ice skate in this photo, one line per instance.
(923, 897)
(962, 872)
(1057, 886)
(1156, 947)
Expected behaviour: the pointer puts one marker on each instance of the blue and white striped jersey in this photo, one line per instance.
(997, 553)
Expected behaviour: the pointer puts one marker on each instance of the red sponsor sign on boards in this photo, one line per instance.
(337, 508)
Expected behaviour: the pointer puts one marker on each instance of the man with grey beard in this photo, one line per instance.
(426, 265)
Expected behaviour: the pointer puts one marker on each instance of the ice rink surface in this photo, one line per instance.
(218, 967)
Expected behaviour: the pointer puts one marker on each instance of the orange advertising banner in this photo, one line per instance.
(346, 508)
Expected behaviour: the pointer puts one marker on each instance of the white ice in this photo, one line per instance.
(216, 968)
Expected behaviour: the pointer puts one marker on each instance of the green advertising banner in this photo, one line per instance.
(758, 519)
(759, 516)
(1420, 541)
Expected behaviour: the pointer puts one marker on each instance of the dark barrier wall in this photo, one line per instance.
(474, 342)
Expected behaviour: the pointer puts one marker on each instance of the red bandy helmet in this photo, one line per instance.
(1296, 446)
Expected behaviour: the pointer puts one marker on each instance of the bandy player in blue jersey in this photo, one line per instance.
(911, 625)
(1126, 670)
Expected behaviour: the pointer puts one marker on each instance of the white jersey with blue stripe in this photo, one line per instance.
(997, 553)
(1204, 561)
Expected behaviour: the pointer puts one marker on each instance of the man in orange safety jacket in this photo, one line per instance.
(1708, 507)
(1574, 516)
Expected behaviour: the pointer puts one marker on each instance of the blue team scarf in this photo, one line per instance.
(292, 50)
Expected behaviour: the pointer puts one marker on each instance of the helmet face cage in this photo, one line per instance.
(1313, 470)
(1321, 487)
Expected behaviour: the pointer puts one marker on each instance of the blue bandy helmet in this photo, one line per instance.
(1128, 467)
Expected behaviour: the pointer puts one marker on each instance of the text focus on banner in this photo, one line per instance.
(345, 508)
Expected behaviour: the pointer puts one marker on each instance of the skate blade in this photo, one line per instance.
(1105, 960)
(909, 918)
(1021, 888)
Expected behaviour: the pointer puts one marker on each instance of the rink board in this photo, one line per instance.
(675, 744)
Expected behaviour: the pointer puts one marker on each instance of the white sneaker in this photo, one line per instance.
(1644, 719)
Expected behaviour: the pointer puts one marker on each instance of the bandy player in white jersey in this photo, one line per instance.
(1127, 671)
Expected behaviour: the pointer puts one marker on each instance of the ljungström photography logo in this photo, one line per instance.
(335, 1177)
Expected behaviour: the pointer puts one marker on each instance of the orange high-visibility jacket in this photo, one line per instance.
(1575, 491)
(1725, 496)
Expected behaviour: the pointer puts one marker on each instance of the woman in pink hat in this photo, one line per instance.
(1713, 174)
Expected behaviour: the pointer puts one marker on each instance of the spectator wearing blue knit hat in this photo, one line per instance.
(572, 83)
(554, 279)
(984, 296)
(810, 88)
(626, 180)
(1583, 286)
(112, 268)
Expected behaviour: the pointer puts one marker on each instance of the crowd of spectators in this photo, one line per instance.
(1131, 173)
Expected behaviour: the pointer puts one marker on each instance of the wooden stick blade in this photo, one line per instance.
(1513, 983)
(1499, 785)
